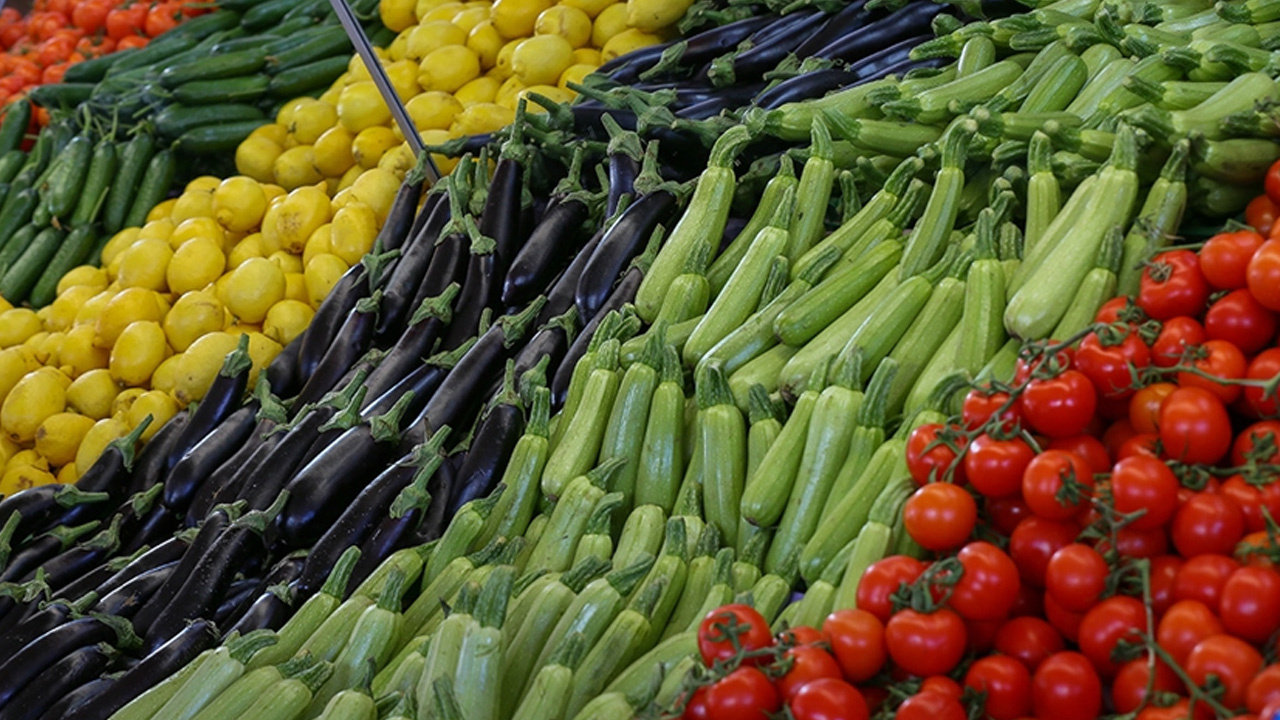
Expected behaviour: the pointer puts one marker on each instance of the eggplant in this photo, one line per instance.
(218, 404)
(491, 449)
(624, 293)
(436, 518)
(423, 215)
(162, 554)
(413, 347)
(624, 154)
(621, 243)
(548, 249)
(914, 19)
(626, 69)
(108, 474)
(847, 19)
(233, 486)
(126, 600)
(197, 465)
(479, 289)
(156, 667)
(283, 373)
(448, 265)
(351, 341)
(561, 295)
(338, 304)
(78, 697)
(804, 87)
(19, 671)
(505, 203)
(81, 558)
(200, 546)
(408, 511)
(207, 496)
(75, 669)
(82, 585)
(47, 618)
(402, 284)
(23, 563)
(550, 342)
(422, 381)
(401, 215)
(22, 513)
(766, 48)
(270, 611)
(696, 49)
(237, 599)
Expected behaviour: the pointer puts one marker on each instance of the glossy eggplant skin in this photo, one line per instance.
(914, 19)
(219, 403)
(200, 546)
(623, 293)
(82, 695)
(490, 451)
(153, 463)
(402, 285)
(127, 599)
(620, 244)
(550, 246)
(76, 668)
(21, 669)
(401, 216)
(353, 286)
(197, 465)
(284, 373)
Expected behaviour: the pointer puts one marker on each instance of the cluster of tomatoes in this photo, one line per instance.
(39, 47)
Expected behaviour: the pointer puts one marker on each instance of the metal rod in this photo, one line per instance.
(379, 74)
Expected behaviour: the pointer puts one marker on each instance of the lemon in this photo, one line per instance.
(287, 262)
(289, 223)
(156, 404)
(360, 106)
(422, 7)
(322, 273)
(262, 350)
(483, 118)
(333, 151)
(161, 210)
(256, 157)
(611, 21)
(653, 15)
(469, 17)
(371, 143)
(195, 265)
(486, 42)
(92, 308)
(275, 132)
(448, 68)
(431, 36)
(587, 56)
(502, 66)
(158, 229)
(93, 394)
(239, 203)
(354, 229)
(404, 78)
(141, 347)
(165, 378)
(78, 353)
(397, 14)
(5, 304)
(376, 188)
(252, 288)
(444, 11)
(194, 314)
(568, 22)
(348, 179)
(62, 312)
(482, 89)
(625, 42)
(509, 93)
(49, 349)
(83, 276)
(23, 478)
(13, 366)
(574, 74)
(59, 436)
(128, 306)
(434, 109)
(310, 119)
(201, 227)
(102, 434)
(516, 18)
(295, 287)
(204, 183)
(296, 167)
(124, 400)
(17, 325)
(26, 458)
(592, 8)
(8, 449)
(201, 363)
(191, 204)
(249, 247)
(539, 60)
(32, 400)
(318, 243)
(119, 242)
(145, 264)
(286, 320)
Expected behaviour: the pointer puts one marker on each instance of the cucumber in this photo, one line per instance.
(16, 119)
(157, 52)
(97, 183)
(154, 186)
(25, 271)
(286, 42)
(61, 95)
(15, 244)
(205, 25)
(175, 120)
(208, 92)
(264, 15)
(312, 9)
(73, 251)
(303, 79)
(18, 208)
(134, 156)
(243, 43)
(97, 68)
(329, 42)
(243, 62)
(216, 138)
(10, 163)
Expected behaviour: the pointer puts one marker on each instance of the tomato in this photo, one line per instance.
(1259, 213)
(1258, 549)
(807, 663)
(1067, 623)
(91, 15)
(988, 584)
(1132, 543)
(1194, 426)
(1034, 541)
(1065, 687)
(1129, 687)
(1241, 320)
(1263, 689)
(931, 454)
(1264, 366)
(1107, 361)
(1120, 309)
(1185, 624)
(1224, 259)
(1207, 523)
(1259, 442)
(1252, 500)
(132, 42)
(749, 626)
(1272, 183)
(829, 699)
(942, 685)
(1172, 285)
(1180, 710)
(802, 635)
(1176, 336)
(1117, 618)
(926, 643)
(1036, 361)
(857, 641)
(995, 467)
(882, 579)
(940, 516)
(696, 708)
(126, 20)
(162, 17)
(1005, 513)
(1218, 359)
(1263, 275)
(1203, 577)
(1029, 640)
(1061, 406)
(1250, 604)
(1144, 484)
(44, 25)
(1116, 434)
(980, 404)
(54, 73)
(1144, 406)
(1147, 444)
(1006, 683)
(1234, 662)
(1057, 485)
(1164, 575)
(926, 705)
(1089, 448)
(1076, 577)
(744, 694)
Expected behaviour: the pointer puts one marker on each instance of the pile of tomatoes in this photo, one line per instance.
(39, 47)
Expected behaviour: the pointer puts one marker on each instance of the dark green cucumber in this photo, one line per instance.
(286, 42)
(157, 53)
(22, 275)
(216, 138)
(18, 208)
(175, 120)
(205, 25)
(96, 69)
(382, 36)
(13, 244)
(62, 188)
(10, 163)
(302, 79)
(154, 186)
(134, 157)
(209, 92)
(61, 95)
(236, 64)
(263, 15)
(97, 182)
(73, 251)
(329, 42)
(16, 119)
(244, 43)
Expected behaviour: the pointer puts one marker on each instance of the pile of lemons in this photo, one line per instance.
(460, 68)
(147, 332)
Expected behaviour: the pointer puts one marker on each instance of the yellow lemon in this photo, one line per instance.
(431, 36)
(125, 400)
(239, 203)
(502, 66)
(318, 243)
(289, 223)
(13, 366)
(286, 320)
(568, 22)
(287, 262)
(333, 151)
(275, 132)
(650, 16)
(371, 143)
(295, 287)
(361, 106)
(195, 265)
(63, 310)
(574, 74)
(482, 89)
(399, 159)
(397, 14)
(398, 50)
(611, 21)
(256, 157)
(404, 78)
(156, 404)
(78, 353)
(592, 8)
(145, 264)
(119, 242)
(508, 93)
(550, 92)
(587, 56)
(8, 449)
(625, 42)
(262, 350)
(469, 17)
(354, 229)
(165, 378)
(296, 167)
(161, 210)
(194, 314)
(59, 436)
(249, 247)
(204, 183)
(128, 306)
(321, 275)
(444, 11)
(422, 7)
(37, 395)
(516, 18)
(158, 229)
(102, 434)
(253, 288)
(92, 308)
(202, 227)
(448, 68)
(24, 478)
(83, 276)
(376, 188)
(198, 203)
(201, 363)
(434, 109)
(93, 394)
(17, 325)
(141, 347)
(348, 179)
(482, 118)
(310, 119)
(486, 42)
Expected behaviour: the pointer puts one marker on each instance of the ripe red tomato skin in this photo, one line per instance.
(1182, 292)
(1144, 406)
(1144, 483)
(857, 641)
(1117, 618)
(1184, 625)
(1065, 687)
(1207, 523)
(808, 663)
(1029, 640)
(1129, 687)
(997, 465)
(1250, 604)
(756, 635)
(1005, 513)
(696, 708)
(1061, 406)
(744, 694)
(1224, 258)
(1233, 660)
(1108, 366)
(1176, 335)
(1263, 689)
(1194, 426)
(980, 404)
(1202, 578)
(1247, 442)
(1034, 541)
(988, 586)
(940, 516)
(1271, 183)
(1223, 360)
(1044, 485)
(882, 579)
(1007, 684)
(801, 635)
(1264, 366)
(829, 699)
(1260, 214)
(1089, 448)
(926, 643)
(1076, 577)
(926, 705)
(1242, 321)
(1164, 573)
(1263, 275)
(1252, 501)
(932, 464)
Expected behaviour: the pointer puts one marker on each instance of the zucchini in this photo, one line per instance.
(217, 138)
(210, 92)
(175, 120)
(230, 65)
(22, 275)
(305, 78)
(72, 252)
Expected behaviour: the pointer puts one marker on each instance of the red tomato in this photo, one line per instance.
(54, 73)
(926, 643)
(126, 20)
(1117, 618)
(940, 516)
(829, 699)
(1194, 426)
(1107, 361)
(1224, 259)
(995, 467)
(1076, 577)
(1272, 183)
(1203, 577)
(980, 404)
(1065, 687)
(857, 640)
(1144, 484)
(1041, 365)
(1061, 406)
(1132, 543)
(882, 579)
(1005, 513)
(132, 42)
(1172, 285)
(1034, 541)
(1264, 275)
(1057, 485)
(1006, 683)
(1177, 335)
(744, 694)
(1129, 688)
(162, 17)
(1265, 366)
(988, 585)
(1219, 359)
(1164, 574)
(1207, 523)
(696, 708)
(1259, 442)
(1089, 448)
(1234, 662)
(717, 629)
(1250, 604)
(930, 706)
(45, 25)
(1184, 625)
(1067, 623)
(808, 663)
(1147, 444)
(1029, 640)
(91, 15)
(1263, 689)
(1116, 434)
(1144, 406)
(802, 635)
(1242, 321)
(1259, 213)
(931, 454)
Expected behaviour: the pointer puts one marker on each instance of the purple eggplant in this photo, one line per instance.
(19, 671)
(22, 513)
(624, 154)
(402, 285)
(479, 290)
(505, 200)
(76, 698)
(153, 462)
(283, 373)
(848, 19)
(218, 404)
(76, 668)
(550, 343)
(914, 19)
(196, 466)
(236, 600)
(126, 600)
(351, 341)
(109, 474)
(624, 293)
(491, 448)
(270, 416)
(212, 528)
(23, 563)
(763, 51)
(414, 345)
(83, 557)
(422, 381)
(342, 298)
(269, 611)
(162, 554)
(401, 215)
(407, 511)
(49, 617)
(552, 243)
(692, 51)
(561, 295)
